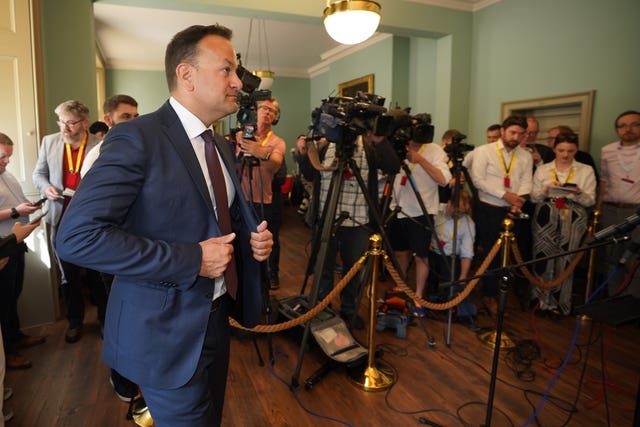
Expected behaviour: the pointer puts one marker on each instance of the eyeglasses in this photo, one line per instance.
(633, 125)
(269, 109)
(69, 123)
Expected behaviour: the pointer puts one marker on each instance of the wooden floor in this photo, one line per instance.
(447, 385)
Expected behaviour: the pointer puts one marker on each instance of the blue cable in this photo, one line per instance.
(569, 354)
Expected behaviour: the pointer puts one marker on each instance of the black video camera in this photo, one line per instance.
(456, 149)
(401, 127)
(248, 102)
(342, 119)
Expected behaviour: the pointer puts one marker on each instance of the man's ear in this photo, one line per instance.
(107, 119)
(184, 75)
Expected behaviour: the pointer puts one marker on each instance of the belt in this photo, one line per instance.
(622, 205)
(218, 302)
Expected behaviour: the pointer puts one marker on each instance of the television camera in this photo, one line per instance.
(248, 102)
(401, 127)
(342, 119)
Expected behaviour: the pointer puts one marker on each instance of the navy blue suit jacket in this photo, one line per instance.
(139, 214)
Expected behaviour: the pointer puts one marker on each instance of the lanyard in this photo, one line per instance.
(554, 175)
(441, 233)
(403, 181)
(507, 171)
(67, 147)
(266, 138)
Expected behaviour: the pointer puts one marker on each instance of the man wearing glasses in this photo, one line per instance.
(57, 176)
(269, 149)
(619, 194)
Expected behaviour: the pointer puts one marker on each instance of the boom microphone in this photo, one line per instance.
(615, 230)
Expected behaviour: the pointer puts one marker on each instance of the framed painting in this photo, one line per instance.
(352, 87)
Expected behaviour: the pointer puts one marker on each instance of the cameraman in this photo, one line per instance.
(269, 149)
(352, 233)
(410, 231)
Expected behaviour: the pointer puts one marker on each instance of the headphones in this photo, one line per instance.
(277, 119)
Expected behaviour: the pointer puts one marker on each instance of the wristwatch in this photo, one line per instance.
(265, 158)
(14, 213)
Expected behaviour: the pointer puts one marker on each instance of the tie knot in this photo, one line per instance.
(207, 135)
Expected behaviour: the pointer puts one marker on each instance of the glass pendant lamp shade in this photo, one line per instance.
(351, 21)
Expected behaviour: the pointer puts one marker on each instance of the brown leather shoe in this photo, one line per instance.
(29, 341)
(17, 361)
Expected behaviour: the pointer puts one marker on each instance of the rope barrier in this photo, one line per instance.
(357, 267)
(562, 277)
(453, 302)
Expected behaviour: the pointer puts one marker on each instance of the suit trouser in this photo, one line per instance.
(11, 277)
(488, 229)
(199, 402)
(73, 296)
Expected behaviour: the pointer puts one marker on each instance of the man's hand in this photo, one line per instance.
(216, 254)
(26, 208)
(514, 199)
(261, 242)
(253, 148)
(51, 193)
(3, 262)
(22, 231)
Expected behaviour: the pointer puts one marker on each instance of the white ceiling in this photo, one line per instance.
(135, 38)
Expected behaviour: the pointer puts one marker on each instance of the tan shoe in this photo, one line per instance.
(29, 341)
(17, 361)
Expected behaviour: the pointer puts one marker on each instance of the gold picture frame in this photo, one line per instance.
(352, 87)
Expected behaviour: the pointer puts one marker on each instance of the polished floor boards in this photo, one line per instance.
(446, 385)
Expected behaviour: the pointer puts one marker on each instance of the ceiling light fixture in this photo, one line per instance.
(265, 74)
(351, 21)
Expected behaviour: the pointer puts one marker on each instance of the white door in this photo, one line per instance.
(18, 120)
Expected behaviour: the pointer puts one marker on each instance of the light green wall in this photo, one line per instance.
(528, 49)
(69, 69)
(149, 88)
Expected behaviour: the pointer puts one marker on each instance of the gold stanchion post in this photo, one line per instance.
(489, 337)
(374, 377)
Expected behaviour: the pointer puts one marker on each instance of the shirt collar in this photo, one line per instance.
(191, 124)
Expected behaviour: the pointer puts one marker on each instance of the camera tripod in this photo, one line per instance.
(327, 230)
(248, 163)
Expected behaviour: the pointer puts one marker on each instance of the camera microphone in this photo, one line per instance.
(615, 230)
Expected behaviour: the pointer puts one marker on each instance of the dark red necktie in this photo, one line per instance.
(222, 205)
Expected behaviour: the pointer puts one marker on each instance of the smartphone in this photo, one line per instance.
(38, 217)
(39, 202)
(569, 185)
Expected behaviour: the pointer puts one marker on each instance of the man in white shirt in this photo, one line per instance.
(502, 174)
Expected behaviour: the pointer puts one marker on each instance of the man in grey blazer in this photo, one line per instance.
(57, 176)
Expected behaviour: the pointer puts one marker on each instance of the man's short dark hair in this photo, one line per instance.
(98, 127)
(626, 113)
(183, 47)
(111, 103)
(495, 126)
(514, 121)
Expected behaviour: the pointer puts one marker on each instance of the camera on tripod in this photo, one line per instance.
(342, 119)
(248, 102)
(457, 148)
(400, 127)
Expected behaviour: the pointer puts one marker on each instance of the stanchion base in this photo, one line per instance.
(373, 378)
(489, 338)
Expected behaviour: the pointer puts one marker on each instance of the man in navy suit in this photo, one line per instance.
(146, 212)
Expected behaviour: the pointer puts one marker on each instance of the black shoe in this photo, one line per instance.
(124, 389)
(274, 283)
(73, 334)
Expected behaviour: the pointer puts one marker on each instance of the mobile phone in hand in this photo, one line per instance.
(39, 202)
(38, 217)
